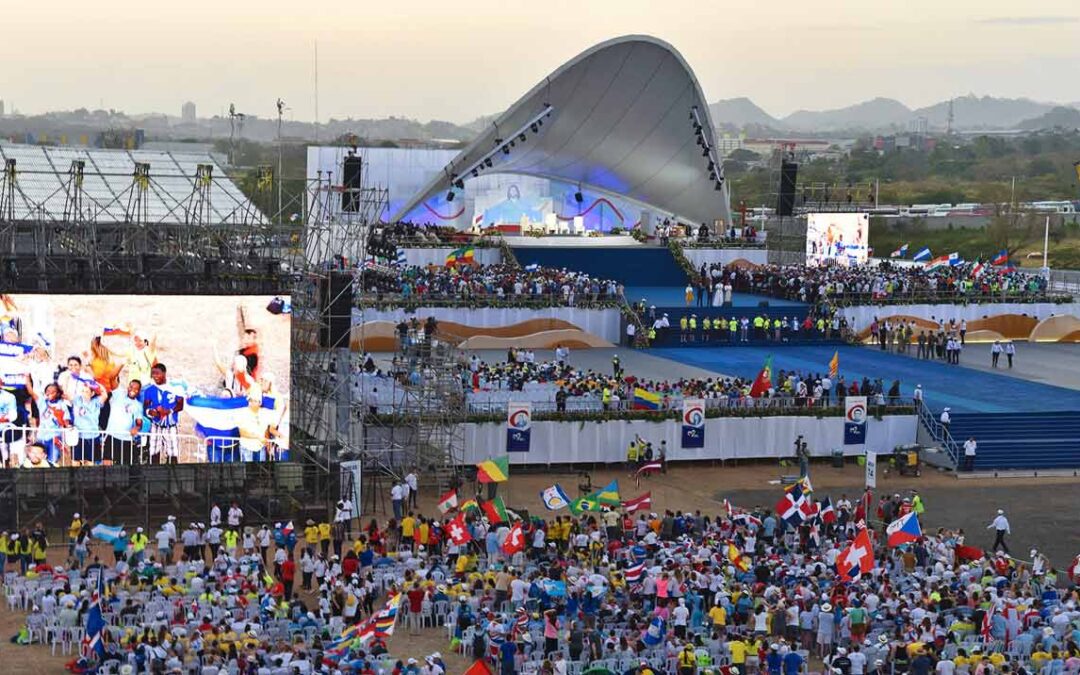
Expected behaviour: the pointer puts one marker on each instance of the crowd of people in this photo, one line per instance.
(501, 284)
(616, 390)
(886, 283)
(621, 587)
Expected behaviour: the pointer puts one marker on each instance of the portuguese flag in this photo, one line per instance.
(495, 470)
(495, 510)
(763, 382)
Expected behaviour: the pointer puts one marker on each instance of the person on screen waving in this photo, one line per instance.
(162, 406)
(254, 432)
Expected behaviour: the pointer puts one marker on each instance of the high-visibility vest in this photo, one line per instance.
(733, 325)
(682, 323)
(757, 322)
(231, 538)
(138, 542)
(693, 323)
(706, 324)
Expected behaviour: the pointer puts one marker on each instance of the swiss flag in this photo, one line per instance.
(515, 541)
(458, 531)
(857, 558)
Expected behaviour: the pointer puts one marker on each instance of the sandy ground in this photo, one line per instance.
(1041, 512)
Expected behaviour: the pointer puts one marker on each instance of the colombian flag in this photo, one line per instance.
(645, 399)
(763, 382)
(495, 470)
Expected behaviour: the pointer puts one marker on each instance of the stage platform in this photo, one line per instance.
(965, 390)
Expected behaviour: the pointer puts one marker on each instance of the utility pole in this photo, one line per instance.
(280, 164)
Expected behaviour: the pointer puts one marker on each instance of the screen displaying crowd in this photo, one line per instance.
(119, 379)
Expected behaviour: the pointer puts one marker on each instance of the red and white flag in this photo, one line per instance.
(515, 541)
(826, 511)
(857, 558)
(642, 503)
(651, 467)
(458, 531)
(448, 502)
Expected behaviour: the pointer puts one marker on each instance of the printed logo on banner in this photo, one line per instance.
(855, 420)
(518, 427)
(693, 423)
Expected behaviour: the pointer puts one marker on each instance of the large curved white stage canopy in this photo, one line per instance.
(625, 118)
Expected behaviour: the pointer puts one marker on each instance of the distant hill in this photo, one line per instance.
(986, 112)
(740, 112)
(1059, 117)
(878, 113)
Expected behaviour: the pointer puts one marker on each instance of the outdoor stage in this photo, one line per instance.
(961, 388)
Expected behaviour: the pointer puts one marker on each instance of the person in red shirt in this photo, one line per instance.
(288, 574)
(350, 565)
(416, 606)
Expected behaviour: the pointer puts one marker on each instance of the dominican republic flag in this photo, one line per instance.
(857, 559)
(95, 623)
(903, 530)
(448, 501)
(1001, 258)
(106, 533)
(635, 573)
(790, 508)
(642, 503)
(746, 520)
(900, 252)
(922, 255)
(826, 511)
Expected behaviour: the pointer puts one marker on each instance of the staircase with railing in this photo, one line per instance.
(939, 432)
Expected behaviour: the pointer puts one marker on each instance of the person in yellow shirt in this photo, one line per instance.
(738, 649)
(324, 537)
(311, 534)
(73, 532)
(408, 525)
(718, 616)
(425, 531)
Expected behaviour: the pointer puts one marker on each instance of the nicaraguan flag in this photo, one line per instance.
(904, 530)
(655, 633)
(555, 498)
(106, 533)
(220, 416)
(922, 255)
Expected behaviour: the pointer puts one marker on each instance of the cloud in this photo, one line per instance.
(1027, 20)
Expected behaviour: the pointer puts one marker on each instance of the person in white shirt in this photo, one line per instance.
(413, 482)
(945, 418)
(970, 447)
(1010, 351)
(995, 353)
(1000, 525)
(236, 516)
(215, 515)
(396, 495)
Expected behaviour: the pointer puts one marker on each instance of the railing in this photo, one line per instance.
(914, 297)
(463, 239)
(481, 300)
(938, 431)
(70, 447)
(593, 406)
(722, 242)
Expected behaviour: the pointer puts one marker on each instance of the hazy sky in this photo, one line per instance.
(457, 60)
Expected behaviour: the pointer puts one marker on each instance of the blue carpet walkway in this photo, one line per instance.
(962, 389)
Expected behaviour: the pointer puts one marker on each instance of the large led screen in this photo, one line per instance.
(839, 238)
(134, 379)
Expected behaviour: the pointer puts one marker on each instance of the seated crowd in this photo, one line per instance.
(489, 284)
(738, 592)
(885, 283)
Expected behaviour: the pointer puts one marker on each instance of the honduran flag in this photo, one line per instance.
(900, 252)
(1001, 258)
(903, 530)
(106, 533)
(922, 255)
(219, 416)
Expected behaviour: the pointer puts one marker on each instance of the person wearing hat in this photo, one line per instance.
(945, 419)
(139, 540)
(1000, 525)
(687, 660)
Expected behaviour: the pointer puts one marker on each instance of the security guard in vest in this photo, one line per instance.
(776, 329)
(231, 538)
(605, 397)
(759, 324)
(693, 326)
(138, 545)
(684, 325)
(706, 326)
(652, 335)
(733, 328)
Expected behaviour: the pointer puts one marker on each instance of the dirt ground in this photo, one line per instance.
(1041, 513)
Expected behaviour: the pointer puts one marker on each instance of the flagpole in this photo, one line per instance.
(1046, 246)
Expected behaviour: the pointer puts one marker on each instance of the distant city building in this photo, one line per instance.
(187, 113)
(1, 107)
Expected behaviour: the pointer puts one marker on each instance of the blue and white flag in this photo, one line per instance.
(555, 498)
(655, 633)
(220, 416)
(13, 368)
(95, 624)
(900, 252)
(106, 533)
(402, 260)
(532, 268)
(922, 255)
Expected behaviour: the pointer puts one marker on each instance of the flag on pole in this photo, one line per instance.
(609, 494)
(735, 556)
(95, 623)
(515, 541)
(642, 503)
(904, 530)
(978, 269)
(582, 504)
(900, 252)
(495, 510)
(1001, 258)
(763, 382)
(496, 470)
(448, 501)
(555, 498)
(651, 467)
(469, 505)
(857, 559)
(834, 365)
(458, 531)
(942, 261)
(827, 513)
(106, 533)
(922, 255)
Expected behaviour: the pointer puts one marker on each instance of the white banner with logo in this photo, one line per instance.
(855, 420)
(871, 469)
